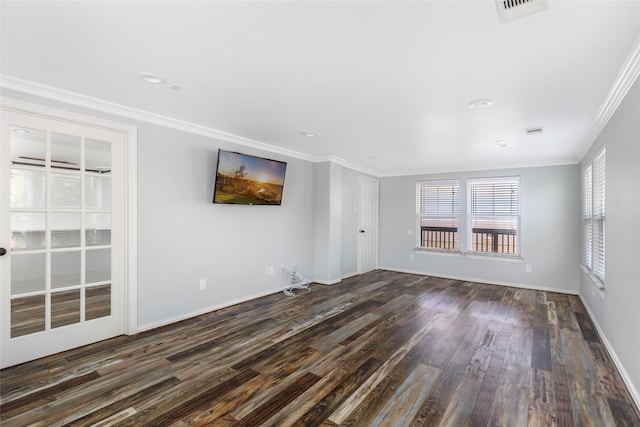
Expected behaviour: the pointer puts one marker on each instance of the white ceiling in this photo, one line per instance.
(385, 85)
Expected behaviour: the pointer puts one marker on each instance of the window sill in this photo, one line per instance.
(595, 281)
(470, 255)
(437, 252)
(495, 257)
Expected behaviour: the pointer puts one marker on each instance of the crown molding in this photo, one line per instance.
(489, 167)
(96, 104)
(338, 160)
(84, 101)
(342, 162)
(625, 79)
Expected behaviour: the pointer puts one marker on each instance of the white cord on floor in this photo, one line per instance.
(295, 281)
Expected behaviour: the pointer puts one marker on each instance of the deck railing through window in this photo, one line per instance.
(439, 237)
(501, 241)
(491, 240)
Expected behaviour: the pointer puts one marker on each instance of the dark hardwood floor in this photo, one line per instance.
(380, 349)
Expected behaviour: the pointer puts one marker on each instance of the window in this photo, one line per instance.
(438, 210)
(494, 215)
(593, 217)
(587, 215)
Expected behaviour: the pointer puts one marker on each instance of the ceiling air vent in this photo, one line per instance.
(532, 131)
(511, 9)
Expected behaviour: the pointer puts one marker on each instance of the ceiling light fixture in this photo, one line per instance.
(307, 133)
(480, 103)
(152, 78)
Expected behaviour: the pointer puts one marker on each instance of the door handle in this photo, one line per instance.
(2, 251)
(361, 231)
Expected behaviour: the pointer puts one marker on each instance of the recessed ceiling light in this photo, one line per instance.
(307, 133)
(501, 144)
(480, 103)
(152, 78)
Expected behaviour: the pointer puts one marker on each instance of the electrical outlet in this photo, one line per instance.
(203, 284)
(271, 270)
(527, 268)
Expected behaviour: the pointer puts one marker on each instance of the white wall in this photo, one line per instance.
(184, 237)
(616, 311)
(328, 202)
(549, 200)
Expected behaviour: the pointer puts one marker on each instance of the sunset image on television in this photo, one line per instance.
(250, 180)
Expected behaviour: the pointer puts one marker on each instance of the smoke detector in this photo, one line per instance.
(511, 9)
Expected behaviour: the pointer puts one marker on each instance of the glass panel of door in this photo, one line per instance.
(60, 219)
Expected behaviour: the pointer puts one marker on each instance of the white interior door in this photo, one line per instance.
(367, 225)
(61, 224)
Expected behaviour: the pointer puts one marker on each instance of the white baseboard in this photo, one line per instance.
(478, 280)
(209, 309)
(326, 282)
(205, 310)
(348, 275)
(625, 377)
(333, 282)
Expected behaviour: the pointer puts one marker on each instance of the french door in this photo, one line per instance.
(61, 228)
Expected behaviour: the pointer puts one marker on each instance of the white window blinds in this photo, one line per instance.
(599, 196)
(594, 214)
(438, 211)
(587, 215)
(494, 213)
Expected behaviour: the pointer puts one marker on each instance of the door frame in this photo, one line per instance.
(130, 135)
(362, 179)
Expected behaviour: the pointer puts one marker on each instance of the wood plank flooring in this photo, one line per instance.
(380, 349)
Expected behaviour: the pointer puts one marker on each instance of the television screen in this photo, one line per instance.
(248, 180)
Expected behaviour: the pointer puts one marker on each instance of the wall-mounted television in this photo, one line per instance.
(243, 179)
